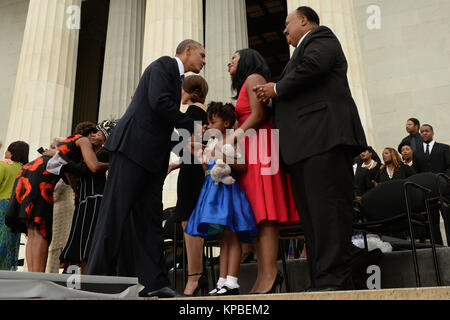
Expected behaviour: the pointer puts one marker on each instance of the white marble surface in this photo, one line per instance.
(407, 66)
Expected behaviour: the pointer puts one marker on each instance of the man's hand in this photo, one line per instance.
(265, 92)
(196, 149)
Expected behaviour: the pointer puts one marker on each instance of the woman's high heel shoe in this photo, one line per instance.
(276, 287)
(202, 284)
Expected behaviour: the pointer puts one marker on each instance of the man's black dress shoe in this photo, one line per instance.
(164, 292)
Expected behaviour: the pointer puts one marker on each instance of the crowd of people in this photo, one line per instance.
(418, 153)
(306, 126)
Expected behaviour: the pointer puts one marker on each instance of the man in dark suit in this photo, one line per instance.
(414, 139)
(320, 134)
(434, 157)
(431, 156)
(140, 150)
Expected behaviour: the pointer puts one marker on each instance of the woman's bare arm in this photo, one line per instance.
(258, 113)
(89, 156)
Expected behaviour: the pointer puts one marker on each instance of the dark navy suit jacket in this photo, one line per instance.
(143, 134)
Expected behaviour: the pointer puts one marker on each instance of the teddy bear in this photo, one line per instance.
(221, 173)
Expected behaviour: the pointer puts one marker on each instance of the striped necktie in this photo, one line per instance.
(182, 79)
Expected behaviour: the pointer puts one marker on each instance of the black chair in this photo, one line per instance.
(395, 206)
(292, 232)
(173, 239)
(173, 230)
(439, 197)
(444, 202)
(209, 259)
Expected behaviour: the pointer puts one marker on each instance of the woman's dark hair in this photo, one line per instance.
(401, 145)
(375, 156)
(85, 128)
(197, 87)
(225, 111)
(250, 62)
(19, 152)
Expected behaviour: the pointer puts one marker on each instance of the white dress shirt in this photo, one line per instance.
(180, 66)
(431, 144)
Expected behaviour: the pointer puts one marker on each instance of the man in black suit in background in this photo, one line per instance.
(320, 134)
(414, 139)
(434, 157)
(139, 158)
(431, 156)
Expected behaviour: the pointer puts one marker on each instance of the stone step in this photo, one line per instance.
(397, 271)
(429, 293)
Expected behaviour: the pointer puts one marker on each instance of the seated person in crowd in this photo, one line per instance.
(432, 156)
(362, 181)
(393, 168)
(407, 154)
(371, 162)
(414, 139)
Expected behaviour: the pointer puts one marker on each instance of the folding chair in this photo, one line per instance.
(412, 214)
(292, 232)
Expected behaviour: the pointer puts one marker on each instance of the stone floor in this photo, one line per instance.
(396, 269)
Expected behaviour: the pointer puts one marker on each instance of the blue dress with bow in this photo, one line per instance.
(219, 206)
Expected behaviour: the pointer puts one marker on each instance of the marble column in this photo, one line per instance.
(123, 56)
(340, 17)
(42, 103)
(226, 32)
(167, 23)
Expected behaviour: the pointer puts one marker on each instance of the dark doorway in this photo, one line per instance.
(91, 52)
(266, 22)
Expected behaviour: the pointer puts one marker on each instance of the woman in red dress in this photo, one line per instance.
(267, 187)
(30, 209)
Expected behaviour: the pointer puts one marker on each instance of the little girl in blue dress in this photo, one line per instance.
(222, 210)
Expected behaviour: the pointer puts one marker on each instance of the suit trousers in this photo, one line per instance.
(323, 190)
(132, 193)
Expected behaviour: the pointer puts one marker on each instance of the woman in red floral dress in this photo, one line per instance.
(30, 209)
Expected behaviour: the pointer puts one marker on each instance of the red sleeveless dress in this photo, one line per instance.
(266, 186)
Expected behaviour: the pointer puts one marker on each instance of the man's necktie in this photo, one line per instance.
(182, 79)
(427, 153)
(413, 143)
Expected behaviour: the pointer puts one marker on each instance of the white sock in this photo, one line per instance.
(232, 282)
(220, 284)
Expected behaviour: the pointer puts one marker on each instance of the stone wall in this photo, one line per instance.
(407, 66)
